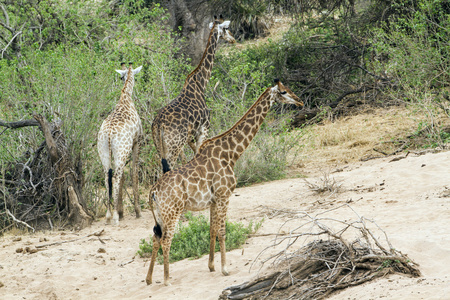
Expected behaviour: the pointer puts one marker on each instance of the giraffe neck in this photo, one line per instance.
(234, 141)
(127, 91)
(201, 75)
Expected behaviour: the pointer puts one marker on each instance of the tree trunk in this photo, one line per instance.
(66, 181)
(193, 18)
(43, 187)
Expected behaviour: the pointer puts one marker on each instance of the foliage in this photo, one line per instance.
(268, 157)
(76, 82)
(192, 241)
(413, 51)
(238, 81)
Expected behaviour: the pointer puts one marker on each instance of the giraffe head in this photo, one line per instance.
(281, 93)
(222, 27)
(124, 72)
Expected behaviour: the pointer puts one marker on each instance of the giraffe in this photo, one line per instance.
(208, 180)
(119, 135)
(186, 118)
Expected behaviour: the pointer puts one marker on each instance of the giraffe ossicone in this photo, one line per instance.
(120, 134)
(186, 118)
(208, 180)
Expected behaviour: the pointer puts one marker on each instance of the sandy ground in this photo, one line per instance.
(409, 198)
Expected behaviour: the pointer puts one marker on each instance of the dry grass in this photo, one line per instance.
(325, 184)
(354, 138)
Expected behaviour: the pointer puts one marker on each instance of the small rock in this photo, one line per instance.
(101, 250)
(17, 239)
(30, 250)
(19, 250)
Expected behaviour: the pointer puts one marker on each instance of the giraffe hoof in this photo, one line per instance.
(211, 268)
(115, 219)
(167, 283)
(225, 271)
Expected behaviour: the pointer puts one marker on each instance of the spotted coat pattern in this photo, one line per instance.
(120, 135)
(186, 118)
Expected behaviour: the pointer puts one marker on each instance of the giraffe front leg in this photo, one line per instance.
(222, 236)
(221, 224)
(137, 208)
(119, 204)
(212, 237)
(156, 244)
(166, 251)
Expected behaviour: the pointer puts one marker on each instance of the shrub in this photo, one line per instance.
(413, 50)
(192, 241)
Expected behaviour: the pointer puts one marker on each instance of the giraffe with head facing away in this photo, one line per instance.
(186, 118)
(120, 135)
(208, 180)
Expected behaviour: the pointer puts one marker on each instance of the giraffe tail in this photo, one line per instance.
(110, 175)
(165, 165)
(157, 230)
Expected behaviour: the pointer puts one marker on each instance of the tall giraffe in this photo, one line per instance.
(186, 118)
(208, 180)
(119, 135)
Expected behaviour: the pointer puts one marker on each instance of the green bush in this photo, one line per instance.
(232, 92)
(77, 83)
(192, 240)
(413, 51)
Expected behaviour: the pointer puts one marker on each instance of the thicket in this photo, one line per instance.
(412, 48)
(58, 60)
(70, 75)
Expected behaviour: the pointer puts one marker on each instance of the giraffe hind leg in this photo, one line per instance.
(109, 186)
(156, 245)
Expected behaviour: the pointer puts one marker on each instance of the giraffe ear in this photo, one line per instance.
(137, 70)
(225, 24)
(122, 72)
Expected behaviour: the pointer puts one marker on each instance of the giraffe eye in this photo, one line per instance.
(283, 92)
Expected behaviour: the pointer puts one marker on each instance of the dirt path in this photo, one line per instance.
(408, 198)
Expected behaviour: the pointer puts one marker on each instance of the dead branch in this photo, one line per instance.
(18, 221)
(19, 124)
(325, 261)
(98, 233)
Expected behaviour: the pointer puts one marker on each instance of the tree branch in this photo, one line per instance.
(19, 124)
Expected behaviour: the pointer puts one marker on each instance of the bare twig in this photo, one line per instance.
(18, 221)
(98, 233)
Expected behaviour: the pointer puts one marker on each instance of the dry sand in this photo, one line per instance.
(408, 198)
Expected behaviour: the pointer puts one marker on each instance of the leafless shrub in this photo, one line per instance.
(316, 258)
(324, 184)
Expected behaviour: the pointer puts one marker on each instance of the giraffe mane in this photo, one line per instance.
(203, 56)
(237, 123)
(130, 71)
